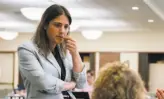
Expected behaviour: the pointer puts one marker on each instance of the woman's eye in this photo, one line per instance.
(66, 26)
(60, 25)
(57, 24)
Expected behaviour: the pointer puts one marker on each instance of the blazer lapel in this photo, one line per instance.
(65, 63)
(53, 61)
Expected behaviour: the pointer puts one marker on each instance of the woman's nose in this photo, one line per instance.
(62, 29)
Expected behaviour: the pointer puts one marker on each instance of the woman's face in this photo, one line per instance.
(90, 79)
(57, 29)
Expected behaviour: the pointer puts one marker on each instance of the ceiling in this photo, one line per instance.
(105, 15)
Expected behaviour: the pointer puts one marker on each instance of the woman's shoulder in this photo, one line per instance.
(29, 45)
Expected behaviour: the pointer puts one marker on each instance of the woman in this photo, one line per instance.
(50, 64)
(90, 81)
(117, 81)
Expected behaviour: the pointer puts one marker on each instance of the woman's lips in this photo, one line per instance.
(60, 37)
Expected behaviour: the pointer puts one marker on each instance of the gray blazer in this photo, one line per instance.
(42, 75)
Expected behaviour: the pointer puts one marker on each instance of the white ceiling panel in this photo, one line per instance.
(105, 15)
(157, 6)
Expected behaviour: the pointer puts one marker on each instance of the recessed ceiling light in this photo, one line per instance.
(61, 0)
(8, 35)
(135, 8)
(92, 34)
(150, 20)
(32, 13)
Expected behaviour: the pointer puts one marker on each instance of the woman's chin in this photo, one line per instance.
(59, 41)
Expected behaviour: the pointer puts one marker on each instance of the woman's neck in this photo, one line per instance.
(53, 45)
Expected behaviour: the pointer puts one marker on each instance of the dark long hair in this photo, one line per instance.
(40, 38)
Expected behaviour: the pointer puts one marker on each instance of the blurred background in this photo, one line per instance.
(105, 31)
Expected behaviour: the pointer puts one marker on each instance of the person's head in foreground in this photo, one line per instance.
(117, 81)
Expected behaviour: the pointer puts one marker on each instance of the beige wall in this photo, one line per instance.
(132, 59)
(13, 44)
(116, 42)
(107, 57)
(7, 66)
(109, 42)
(129, 41)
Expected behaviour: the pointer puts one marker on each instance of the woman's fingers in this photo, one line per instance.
(69, 38)
(71, 44)
(160, 94)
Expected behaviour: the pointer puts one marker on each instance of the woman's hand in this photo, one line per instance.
(76, 59)
(69, 85)
(71, 45)
(160, 94)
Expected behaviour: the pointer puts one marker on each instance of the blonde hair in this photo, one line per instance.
(118, 81)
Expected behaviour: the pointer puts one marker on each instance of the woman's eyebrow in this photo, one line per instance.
(59, 23)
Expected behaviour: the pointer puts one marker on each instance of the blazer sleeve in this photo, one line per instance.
(31, 69)
(79, 77)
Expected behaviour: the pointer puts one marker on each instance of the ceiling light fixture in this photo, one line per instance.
(32, 13)
(150, 20)
(135, 8)
(92, 34)
(8, 35)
